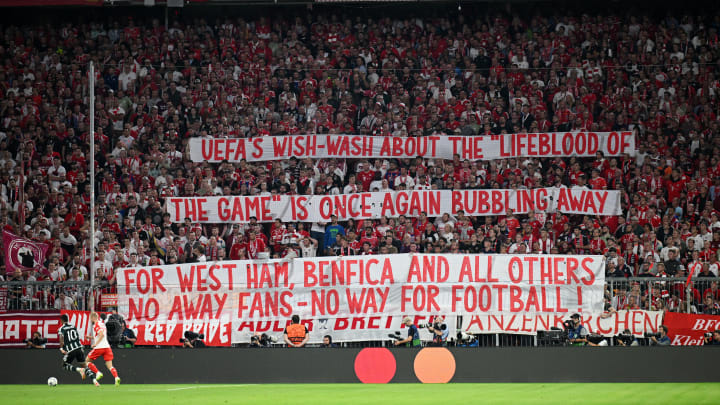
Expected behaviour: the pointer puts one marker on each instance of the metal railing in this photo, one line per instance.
(43, 295)
(661, 293)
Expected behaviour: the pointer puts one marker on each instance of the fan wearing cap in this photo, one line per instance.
(413, 338)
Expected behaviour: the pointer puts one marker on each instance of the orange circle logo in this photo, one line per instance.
(434, 365)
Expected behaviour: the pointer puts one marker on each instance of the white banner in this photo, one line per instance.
(486, 147)
(637, 321)
(319, 208)
(351, 329)
(368, 290)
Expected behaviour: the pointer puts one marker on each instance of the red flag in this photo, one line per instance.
(23, 254)
(691, 272)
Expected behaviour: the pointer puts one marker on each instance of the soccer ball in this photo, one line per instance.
(52, 381)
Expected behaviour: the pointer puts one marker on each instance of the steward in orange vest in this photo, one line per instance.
(296, 335)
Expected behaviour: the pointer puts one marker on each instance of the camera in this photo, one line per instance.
(190, 335)
(596, 339)
(193, 339)
(569, 324)
(554, 336)
(438, 326)
(709, 335)
(626, 338)
(263, 340)
(464, 339)
(114, 325)
(396, 336)
(652, 334)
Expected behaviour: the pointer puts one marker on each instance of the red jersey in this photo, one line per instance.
(253, 247)
(597, 246)
(97, 329)
(674, 188)
(365, 178)
(512, 224)
(372, 240)
(598, 183)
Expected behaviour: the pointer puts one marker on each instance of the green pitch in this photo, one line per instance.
(134, 394)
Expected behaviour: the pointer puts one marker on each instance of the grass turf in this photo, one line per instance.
(516, 393)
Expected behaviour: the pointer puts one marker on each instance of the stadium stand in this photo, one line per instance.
(339, 73)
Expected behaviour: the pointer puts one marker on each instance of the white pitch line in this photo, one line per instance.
(204, 386)
(68, 388)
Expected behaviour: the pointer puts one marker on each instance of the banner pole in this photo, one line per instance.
(91, 244)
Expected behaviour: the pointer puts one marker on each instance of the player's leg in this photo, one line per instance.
(94, 354)
(83, 369)
(88, 372)
(68, 359)
(79, 370)
(114, 372)
(67, 365)
(108, 363)
(77, 356)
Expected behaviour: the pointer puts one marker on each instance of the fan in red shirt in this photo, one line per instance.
(653, 218)
(512, 223)
(596, 182)
(420, 224)
(254, 245)
(237, 248)
(597, 245)
(674, 186)
(575, 173)
(366, 176)
(74, 219)
(277, 233)
(370, 238)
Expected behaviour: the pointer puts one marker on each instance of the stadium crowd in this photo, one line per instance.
(327, 73)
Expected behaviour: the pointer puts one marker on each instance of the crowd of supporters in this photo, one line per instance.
(331, 73)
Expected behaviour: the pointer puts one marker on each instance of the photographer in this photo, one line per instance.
(128, 338)
(439, 330)
(413, 338)
(577, 334)
(327, 342)
(626, 338)
(255, 341)
(712, 339)
(259, 340)
(36, 342)
(663, 339)
(193, 340)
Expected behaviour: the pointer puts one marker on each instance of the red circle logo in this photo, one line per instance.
(375, 365)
